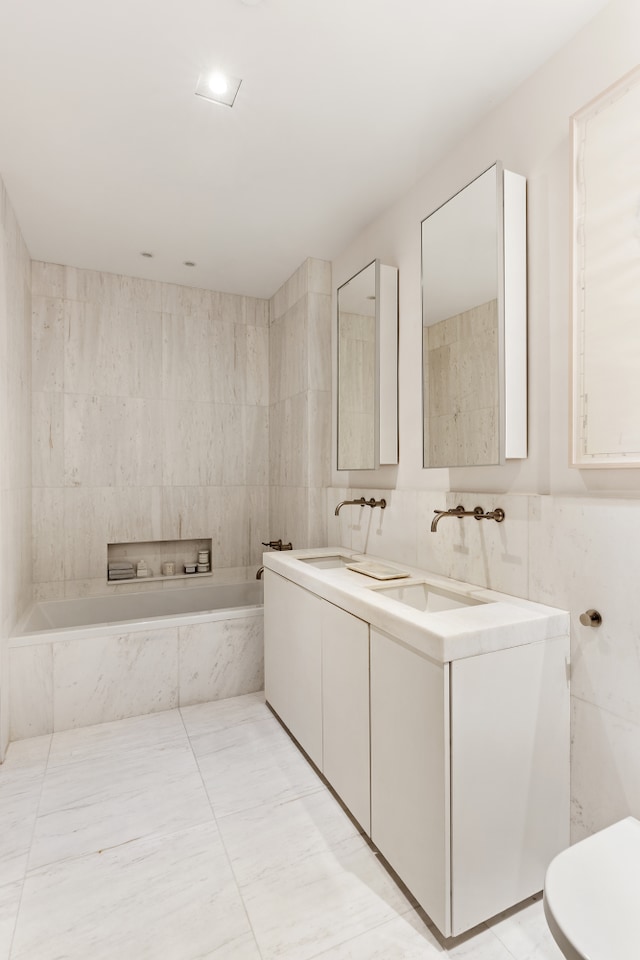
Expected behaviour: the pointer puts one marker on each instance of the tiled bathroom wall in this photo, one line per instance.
(150, 422)
(15, 437)
(575, 553)
(300, 405)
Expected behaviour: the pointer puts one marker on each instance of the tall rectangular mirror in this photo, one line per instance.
(474, 324)
(368, 368)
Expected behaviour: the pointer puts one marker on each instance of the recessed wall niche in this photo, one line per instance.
(155, 553)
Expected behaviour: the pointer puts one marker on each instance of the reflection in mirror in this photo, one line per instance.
(474, 340)
(367, 368)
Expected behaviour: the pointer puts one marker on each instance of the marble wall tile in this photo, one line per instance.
(31, 691)
(484, 552)
(203, 360)
(319, 349)
(289, 515)
(289, 353)
(573, 566)
(16, 375)
(48, 530)
(203, 444)
(319, 433)
(389, 533)
(288, 442)
(47, 279)
(257, 386)
(290, 292)
(318, 276)
(48, 344)
(256, 312)
(108, 678)
(129, 451)
(222, 513)
(317, 513)
(49, 590)
(605, 768)
(112, 352)
(256, 450)
(221, 659)
(47, 419)
(96, 516)
(338, 528)
(184, 301)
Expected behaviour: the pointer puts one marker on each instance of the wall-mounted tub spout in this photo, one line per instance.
(277, 545)
(361, 502)
(478, 513)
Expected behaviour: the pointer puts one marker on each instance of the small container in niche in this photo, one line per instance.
(190, 568)
(203, 568)
(203, 557)
(168, 568)
(141, 569)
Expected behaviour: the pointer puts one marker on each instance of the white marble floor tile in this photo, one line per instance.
(404, 938)
(10, 894)
(525, 933)
(319, 902)
(251, 764)
(108, 800)
(205, 718)
(160, 898)
(21, 780)
(116, 738)
(272, 837)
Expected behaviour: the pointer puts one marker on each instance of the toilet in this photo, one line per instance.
(592, 895)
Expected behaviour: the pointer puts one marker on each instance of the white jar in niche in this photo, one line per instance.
(168, 568)
(141, 569)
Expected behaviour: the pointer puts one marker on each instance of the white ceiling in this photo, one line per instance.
(106, 151)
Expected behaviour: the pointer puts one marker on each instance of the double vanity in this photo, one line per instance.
(437, 711)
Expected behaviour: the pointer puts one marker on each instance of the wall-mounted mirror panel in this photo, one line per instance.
(474, 365)
(367, 391)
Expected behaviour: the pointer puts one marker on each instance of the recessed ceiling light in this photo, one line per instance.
(189, 263)
(145, 253)
(219, 87)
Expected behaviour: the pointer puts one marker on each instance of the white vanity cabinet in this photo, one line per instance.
(317, 681)
(469, 774)
(445, 731)
(293, 660)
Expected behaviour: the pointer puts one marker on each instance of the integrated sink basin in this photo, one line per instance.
(327, 563)
(427, 597)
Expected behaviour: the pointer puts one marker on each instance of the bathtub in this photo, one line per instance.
(74, 663)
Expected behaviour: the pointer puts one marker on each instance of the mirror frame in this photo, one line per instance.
(385, 419)
(512, 316)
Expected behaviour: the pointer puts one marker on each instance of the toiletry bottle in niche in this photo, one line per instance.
(141, 569)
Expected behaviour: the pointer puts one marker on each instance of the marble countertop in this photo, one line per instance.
(499, 622)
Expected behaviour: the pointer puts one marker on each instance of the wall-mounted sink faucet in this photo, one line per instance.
(361, 502)
(460, 512)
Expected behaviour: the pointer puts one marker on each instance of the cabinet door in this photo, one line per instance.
(509, 775)
(293, 660)
(345, 709)
(410, 771)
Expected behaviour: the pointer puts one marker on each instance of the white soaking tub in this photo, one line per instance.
(74, 663)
